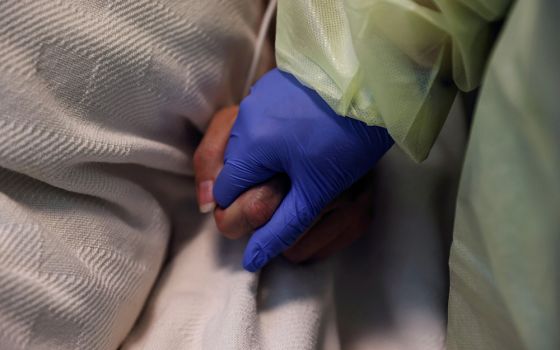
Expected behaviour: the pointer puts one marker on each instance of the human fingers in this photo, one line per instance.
(209, 156)
(252, 209)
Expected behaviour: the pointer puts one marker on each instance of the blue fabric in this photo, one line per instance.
(285, 127)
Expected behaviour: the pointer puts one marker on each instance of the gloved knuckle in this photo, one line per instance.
(307, 213)
(296, 226)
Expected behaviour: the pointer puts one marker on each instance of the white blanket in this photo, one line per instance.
(387, 291)
(99, 101)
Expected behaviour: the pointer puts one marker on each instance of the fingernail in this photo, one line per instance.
(205, 198)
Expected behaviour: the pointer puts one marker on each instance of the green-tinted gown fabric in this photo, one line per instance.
(393, 63)
(399, 63)
(505, 257)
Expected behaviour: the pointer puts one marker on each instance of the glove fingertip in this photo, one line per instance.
(288, 222)
(254, 259)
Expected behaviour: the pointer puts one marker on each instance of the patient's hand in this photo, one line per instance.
(344, 220)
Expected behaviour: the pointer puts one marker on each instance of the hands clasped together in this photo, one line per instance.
(277, 169)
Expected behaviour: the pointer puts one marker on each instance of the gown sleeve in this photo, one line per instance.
(391, 63)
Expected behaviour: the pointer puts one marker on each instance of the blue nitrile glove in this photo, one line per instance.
(285, 127)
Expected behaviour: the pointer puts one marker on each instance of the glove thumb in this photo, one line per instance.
(236, 178)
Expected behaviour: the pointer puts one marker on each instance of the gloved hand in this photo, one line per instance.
(284, 127)
(341, 222)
